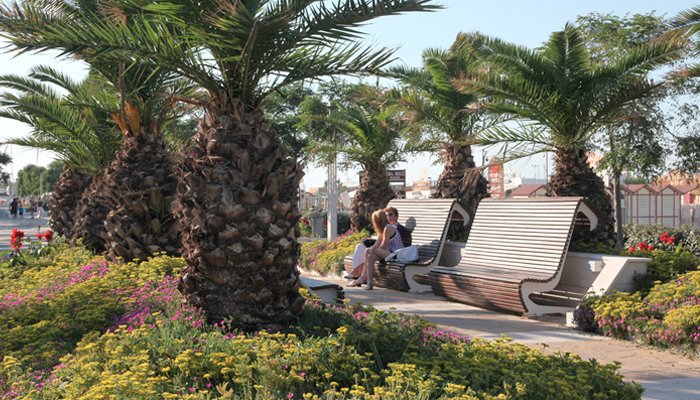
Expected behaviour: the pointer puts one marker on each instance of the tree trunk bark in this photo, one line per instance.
(574, 177)
(373, 194)
(617, 195)
(90, 215)
(140, 188)
(237, 207)
(460, 179)
(64, 200)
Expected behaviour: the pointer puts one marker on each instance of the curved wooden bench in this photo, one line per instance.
(428, 221)
(516, 248)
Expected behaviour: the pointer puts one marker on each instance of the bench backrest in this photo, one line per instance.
(528, 237)
(428, 221)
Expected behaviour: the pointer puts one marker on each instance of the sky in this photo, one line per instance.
(527, 23)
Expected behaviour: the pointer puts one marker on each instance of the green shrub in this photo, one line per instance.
(326, 257)
(664, 266)
(305, 222)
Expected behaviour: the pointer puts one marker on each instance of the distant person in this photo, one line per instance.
(21, 209)
(14, 206)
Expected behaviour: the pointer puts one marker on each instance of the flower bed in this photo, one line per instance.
(122, 331)
(669, 260)
(326, 257)
(668, 317)
(653, 235)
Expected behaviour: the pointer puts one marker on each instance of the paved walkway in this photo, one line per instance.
(664, 375)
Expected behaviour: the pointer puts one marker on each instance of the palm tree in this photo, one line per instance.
(73, 126)
(368, 135)
(688, 23)
(237, 200)
(138, 187)
(451, 115)
(563, 99)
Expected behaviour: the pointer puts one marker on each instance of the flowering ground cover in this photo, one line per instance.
(116, 330)
(665, 309)
(326, 257)
(668, 317)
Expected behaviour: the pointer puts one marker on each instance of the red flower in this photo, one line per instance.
(16, 244)
(632, 249)
(16, 234)
(666, 239)
(39, 236)
(16, 239)
(48, 235)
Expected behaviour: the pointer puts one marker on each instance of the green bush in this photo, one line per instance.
(305, 222)
(326, 257)
(664, 266)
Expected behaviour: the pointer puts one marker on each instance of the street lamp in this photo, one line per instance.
(332, 224)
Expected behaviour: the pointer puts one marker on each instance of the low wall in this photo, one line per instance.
(601, 273)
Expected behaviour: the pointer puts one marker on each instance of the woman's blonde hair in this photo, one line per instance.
(379, 221)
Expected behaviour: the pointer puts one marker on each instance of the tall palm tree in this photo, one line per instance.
(236, 202)
(688, 23)
(450, 115)
(371, 137)
(138, 187)
(74, 126)
(563, 99)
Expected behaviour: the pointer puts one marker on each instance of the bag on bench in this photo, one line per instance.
(406, 254)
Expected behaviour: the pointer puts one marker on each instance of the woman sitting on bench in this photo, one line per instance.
(388, 241)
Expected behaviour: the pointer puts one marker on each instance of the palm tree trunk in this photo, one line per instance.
(90, 215)
(141, 188)
(64, 200)
(574, 177)
(617, 195)
(460, 179)
(374, 193)
(236, 205)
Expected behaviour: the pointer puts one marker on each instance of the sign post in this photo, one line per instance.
(397, 180)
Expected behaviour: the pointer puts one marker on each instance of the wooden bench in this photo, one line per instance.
(327, 292)
(428, 221)
(515, 255)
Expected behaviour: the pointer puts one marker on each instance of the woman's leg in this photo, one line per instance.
(363, 273)
(358, 260)
(374, 256)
